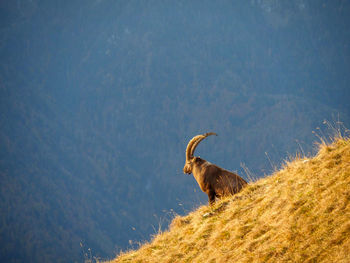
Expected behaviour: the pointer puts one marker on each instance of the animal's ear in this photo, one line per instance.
(197, 159)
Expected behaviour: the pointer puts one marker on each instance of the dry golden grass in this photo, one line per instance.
(298, 214)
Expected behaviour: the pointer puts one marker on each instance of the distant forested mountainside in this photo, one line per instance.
(98, 99)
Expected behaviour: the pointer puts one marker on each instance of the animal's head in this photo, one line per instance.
(191, 146)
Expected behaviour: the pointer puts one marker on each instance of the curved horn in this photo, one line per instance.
(200, 139)
(191, 146)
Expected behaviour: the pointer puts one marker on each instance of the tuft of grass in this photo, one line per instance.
(300, 213)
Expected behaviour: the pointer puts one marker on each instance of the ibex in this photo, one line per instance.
(213, 180)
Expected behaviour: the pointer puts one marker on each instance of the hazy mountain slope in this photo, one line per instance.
(299, 214)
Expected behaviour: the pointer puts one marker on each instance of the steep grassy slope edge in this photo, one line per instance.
(298, 214)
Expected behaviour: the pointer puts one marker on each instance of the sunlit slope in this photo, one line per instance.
(299, 214)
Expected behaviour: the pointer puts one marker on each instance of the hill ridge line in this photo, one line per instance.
(300, 213)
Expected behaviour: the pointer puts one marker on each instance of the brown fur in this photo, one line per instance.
(213, 180)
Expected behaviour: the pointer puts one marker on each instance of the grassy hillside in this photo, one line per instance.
(298, 214)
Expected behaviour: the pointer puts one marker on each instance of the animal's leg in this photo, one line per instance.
(211, 197)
